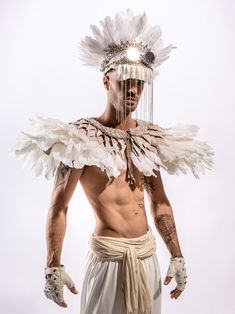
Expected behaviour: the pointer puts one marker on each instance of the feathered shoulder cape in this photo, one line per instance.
(87, 142)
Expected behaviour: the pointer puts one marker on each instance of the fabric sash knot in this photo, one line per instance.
(130, 250)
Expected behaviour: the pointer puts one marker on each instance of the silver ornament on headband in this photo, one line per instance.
(127, 52)
(149, 57)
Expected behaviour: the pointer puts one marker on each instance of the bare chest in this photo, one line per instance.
(96, 184)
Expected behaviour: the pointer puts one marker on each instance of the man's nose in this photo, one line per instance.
(132, 89)
(131, 93)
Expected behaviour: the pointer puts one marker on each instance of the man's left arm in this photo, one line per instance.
(162, 213)
(163, 217)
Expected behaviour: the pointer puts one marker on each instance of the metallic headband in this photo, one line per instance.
(128, 53)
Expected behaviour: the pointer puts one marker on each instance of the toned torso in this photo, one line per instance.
(118, 208)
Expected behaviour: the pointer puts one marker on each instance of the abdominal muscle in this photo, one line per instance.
(119, 209)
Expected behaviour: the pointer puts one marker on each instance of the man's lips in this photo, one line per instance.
(130, 98)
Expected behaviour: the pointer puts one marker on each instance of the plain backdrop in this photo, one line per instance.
(40, 73)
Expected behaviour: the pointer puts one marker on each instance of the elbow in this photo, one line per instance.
(59, 204)
(57, 210)
(161, 208)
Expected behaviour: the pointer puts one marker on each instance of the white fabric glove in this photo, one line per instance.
(56, 277)
(177, 269)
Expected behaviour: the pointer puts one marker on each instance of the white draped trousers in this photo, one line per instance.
(122, 276)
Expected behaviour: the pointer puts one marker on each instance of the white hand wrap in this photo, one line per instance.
(177, 269)
(56, 277)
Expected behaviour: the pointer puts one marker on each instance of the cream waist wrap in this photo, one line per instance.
(130, 250)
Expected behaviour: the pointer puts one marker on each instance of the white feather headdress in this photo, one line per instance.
(108, 46)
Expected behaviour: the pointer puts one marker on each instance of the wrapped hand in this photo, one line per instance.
(56, 277)
(176, 269)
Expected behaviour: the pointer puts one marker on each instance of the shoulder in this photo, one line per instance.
(149, 126)
(83, 122)
(151, 132)
(89, 127)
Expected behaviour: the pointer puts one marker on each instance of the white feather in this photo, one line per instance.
(180, 152)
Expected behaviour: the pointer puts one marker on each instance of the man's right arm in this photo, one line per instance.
(65, 182)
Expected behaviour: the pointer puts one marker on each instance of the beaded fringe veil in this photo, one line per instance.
(144, 109)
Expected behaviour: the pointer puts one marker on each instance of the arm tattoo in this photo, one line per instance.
(166, 227)
(62, 174)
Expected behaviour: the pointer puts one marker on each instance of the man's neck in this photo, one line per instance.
(111, 121)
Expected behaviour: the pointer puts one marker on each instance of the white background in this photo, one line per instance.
(40, 73)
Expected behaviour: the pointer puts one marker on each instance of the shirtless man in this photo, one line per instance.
(116, 158)
(118, 207)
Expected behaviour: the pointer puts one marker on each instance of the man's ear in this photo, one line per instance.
(106, 81)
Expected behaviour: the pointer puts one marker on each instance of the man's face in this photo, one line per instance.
(124, 95)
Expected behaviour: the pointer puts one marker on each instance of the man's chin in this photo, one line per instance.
(130, 108)
(130, 105)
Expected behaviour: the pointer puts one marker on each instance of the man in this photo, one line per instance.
(116, 158)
